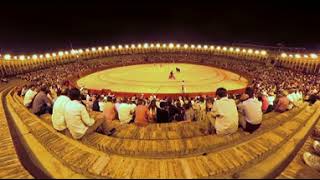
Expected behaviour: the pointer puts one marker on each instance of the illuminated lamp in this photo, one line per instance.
(158, 45)
(297, 56)
(113, 47)
(126, 46)
(139, 46)
(15, 57)
(186, 46)
(211, 47)
(199, 46)
(164, 45)
(178, 46)
(120, 47)
(284, 55)
(28, 57)
(48, 55)
(93, 49)
(22, 57)
(257, 52)
(231, 49)
(193, 46)
(54, 54)
(205, 46)
(7, 57)
(290, 55)
(263, 52)
(60, 53)
(66, 52)
(99, 48)
(244, 50)
(34, 56)
(152, 45)
(106, 48)
(171, 45)
(146, 45)
(218, 48)
(305, 56)
(313, 56)
(250, 51)
(224, 48)
(80, 51)
(41, 56)
(237, 50)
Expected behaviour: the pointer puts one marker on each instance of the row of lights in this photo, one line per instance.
(298, 56)
(133, 46)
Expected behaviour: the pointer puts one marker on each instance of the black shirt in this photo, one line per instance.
(162, 116)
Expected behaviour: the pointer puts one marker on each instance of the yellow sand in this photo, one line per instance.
(151, 78)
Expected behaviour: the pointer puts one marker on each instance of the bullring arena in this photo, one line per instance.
(32, 148)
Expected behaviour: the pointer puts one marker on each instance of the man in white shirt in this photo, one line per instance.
(227, 120)
(58, 119)
(29, 96)
(77, 117)
(251, 112)
(125, 111)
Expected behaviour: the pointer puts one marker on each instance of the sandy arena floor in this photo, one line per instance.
(154, 78)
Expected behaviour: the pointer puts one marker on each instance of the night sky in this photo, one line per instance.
(28, 26)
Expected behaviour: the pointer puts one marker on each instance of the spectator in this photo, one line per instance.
(282, 102)
(227, 119)
(125, 112)
(250, 112)
(189, 114)
(29, 96)
(162, 114)
(141, 114)
(77, 117)
(95, 105)
(152, 111)
(41, 103)
(58, 119)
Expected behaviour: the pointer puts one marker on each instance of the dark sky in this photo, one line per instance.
(38, 26)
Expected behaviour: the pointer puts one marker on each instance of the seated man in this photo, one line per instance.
(141, 113)
(162, 113)
(29, 96)
(282, 102)
(58, 119)
(41, 103)
(77, 117)
(125, 112)
(250, 112)
(227, 118)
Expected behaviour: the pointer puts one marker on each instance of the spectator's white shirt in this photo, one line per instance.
(271, 99)
(29, 96)
(125, 112)
(58, 119)
(228, 121)
(102, 106)
(77, 119)
(251, 110)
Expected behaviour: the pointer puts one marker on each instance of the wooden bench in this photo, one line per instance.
(10, 165)
(226, 162)
(165, 148)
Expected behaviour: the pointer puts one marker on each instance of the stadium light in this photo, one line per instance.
(250, 51)
(80, 51)
(263, 52)
(113, 47)
(146, 45)
(244, 50)
(313, 56)
(34, 56)
(41, 56)
(99, 48)
(152, 45)
(139, 45)
(120, 47)
(133, 46)
(193, 46)
(205, 46)
(54, 54)
(186, 46)
(126, 46)
(290, 55)
(93, 49)
(157, 45)
(22, 57)
(60, 53)
(48, 55)
(28, 57)
(199, 46)
(171, 45)
(106, 48)
(178, 45)
(212, 47)
(237, 50)
(297, 56)
(305, 56)
(15, 57)
(224, 48)
(231, 49)
(284, 55)
(257, 52)
(66, 52)
(218, 48)
(7, 57)
(164, 45)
